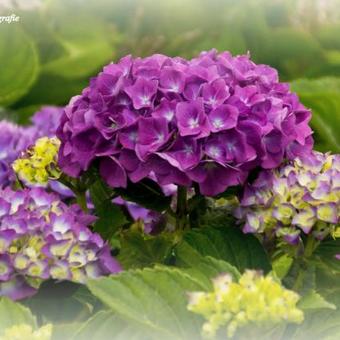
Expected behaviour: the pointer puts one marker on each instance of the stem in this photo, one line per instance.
(81, 200)
(182, 221)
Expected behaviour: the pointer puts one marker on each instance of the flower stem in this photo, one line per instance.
(81, 200)
(182, 221)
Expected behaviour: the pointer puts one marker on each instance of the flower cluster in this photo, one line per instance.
(253, 301)
(302, 196)
(15, 139)
(25, 332)
(39, 163)
(42, 238)
(209, 120)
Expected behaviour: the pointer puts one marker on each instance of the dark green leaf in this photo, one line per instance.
(139, 250)
(229, 244)
(147, 194)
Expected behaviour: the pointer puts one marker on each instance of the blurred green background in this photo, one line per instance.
(58, 45)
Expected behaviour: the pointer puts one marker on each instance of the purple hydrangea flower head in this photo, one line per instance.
(183, 122)
(299, 198)
(42, 238)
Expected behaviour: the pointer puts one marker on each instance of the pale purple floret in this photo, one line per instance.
(183, 121)
(42, 238)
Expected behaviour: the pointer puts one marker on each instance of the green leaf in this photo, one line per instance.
(323, 97)
(146, 193)
(86, 41)
(320, 324)
(106, 325)
(12, 313)
(326, 252)
(209, 268)
(155, 300)
(19, 64)
(58, 302)
(110, 215)
(312, 300)
(229, 244)
(139, 250)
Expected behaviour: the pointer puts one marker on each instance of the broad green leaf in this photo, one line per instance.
(13, 313)
(138, 250)
(153, 299)
(323, 97)
(19, 63)
(323, 324)
(209, 268)
(107, 325)
(313, 300)
(229, 244)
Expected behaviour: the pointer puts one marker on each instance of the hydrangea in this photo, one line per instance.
(42, 238)
(254, 301)
(39, 164)
(25, 332)
(301, 197)
(15, 139)
(209, 120)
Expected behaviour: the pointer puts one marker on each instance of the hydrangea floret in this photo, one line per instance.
(39, 163)
(26, 332)
(254, 301)
(42, 238)
(207, 121)
(299, 198)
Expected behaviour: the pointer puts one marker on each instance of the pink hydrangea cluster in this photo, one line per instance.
(209, 121)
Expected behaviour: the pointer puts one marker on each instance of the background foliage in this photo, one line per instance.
(51, 54)
(58, 45)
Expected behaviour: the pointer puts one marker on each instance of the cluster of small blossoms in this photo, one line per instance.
(39, 163)
(42, 238)
(15, 139)
(254, 301)
(302, 196)
(209, 120)
(26, 332)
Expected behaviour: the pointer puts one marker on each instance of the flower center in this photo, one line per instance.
(218, 123)
(193, 123)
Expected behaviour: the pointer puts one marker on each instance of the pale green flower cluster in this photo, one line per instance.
(26, 332)
(255, 300)
(39, 164)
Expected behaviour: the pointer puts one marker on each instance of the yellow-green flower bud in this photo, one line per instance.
(255, 300)
(25, 332)
(39, 163)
